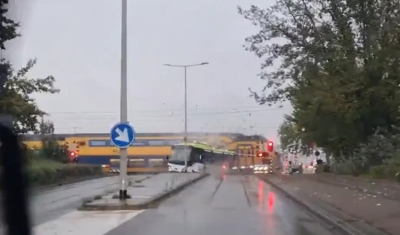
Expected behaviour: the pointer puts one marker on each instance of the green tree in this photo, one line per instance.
(7, 33)
(8, 26)
(16, 88)
(46, 127)
(51, 150)
(287, 133)
(337, 63)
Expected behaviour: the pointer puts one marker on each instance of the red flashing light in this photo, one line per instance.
(73, 154)
(270, 146)
(263, 154)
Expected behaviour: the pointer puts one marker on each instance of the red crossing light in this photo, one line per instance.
(262, 154)
(73, 154)
(270, 146)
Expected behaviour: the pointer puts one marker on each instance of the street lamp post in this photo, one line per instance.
(124, 100)
(185, 97)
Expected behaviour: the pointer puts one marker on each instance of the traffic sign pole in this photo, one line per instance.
(122, 135)
(124, 101)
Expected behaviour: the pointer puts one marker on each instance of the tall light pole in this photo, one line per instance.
(123, 163)
(185, 86)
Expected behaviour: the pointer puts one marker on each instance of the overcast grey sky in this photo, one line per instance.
(78, 41)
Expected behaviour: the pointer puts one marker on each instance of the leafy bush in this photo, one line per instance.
(51, 150)
(385, 172)
(342, 168)
(327, 169)
(377, 149)
(377, 172)
(48, 164)
(319, 169)
(42, 172)
(356, 165)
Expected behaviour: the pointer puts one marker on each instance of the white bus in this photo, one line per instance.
(197, 155)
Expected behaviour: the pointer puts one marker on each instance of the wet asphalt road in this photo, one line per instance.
(52, 203)
(219, 205)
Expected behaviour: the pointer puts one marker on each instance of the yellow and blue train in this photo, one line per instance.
(149, 151)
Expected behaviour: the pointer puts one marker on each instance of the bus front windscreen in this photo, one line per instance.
(179, 154)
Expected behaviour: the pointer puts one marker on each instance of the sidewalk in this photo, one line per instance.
(376, 210)
(384, 188)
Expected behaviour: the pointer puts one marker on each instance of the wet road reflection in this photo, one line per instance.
(230, 204)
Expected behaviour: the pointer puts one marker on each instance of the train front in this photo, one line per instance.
(266, 157)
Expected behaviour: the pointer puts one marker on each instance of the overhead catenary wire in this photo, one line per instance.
(210, 120)
(176, 110)
(165, 119)
(166, 115)
(177, 125)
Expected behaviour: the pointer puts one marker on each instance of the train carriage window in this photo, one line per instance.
(138, 143)
(156, 142)
(98, 143)
(136, 163)
(156, 163)
(163, 142)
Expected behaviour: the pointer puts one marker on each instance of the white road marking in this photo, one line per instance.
(85, 223)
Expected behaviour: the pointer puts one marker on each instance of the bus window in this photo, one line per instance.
(179, 154)
(195, 155)
(208, 157)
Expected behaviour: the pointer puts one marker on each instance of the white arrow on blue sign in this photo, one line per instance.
(122, 135)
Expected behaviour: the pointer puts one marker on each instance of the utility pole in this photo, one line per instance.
(185, 138)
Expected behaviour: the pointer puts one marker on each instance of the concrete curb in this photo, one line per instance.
(330, 220)
(152, 203)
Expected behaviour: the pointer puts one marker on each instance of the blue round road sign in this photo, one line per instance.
(122, 135)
